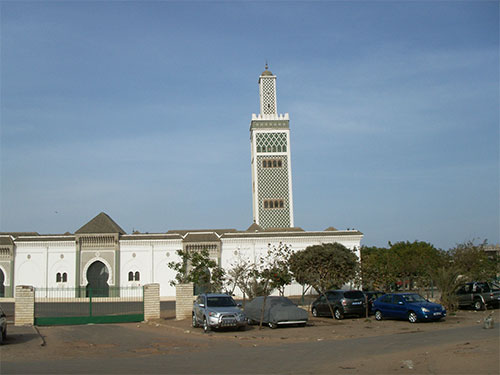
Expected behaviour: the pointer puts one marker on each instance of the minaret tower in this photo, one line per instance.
(271, 163)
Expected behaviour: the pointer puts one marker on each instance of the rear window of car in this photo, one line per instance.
(220, 302)
(354, 294)
(482, 287)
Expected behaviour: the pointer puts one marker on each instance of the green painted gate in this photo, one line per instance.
(66, 306)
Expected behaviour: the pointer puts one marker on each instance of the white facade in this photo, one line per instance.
(39, 259)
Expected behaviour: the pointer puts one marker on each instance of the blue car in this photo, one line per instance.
(411, 306)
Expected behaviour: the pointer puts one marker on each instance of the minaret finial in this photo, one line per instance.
(267, 67)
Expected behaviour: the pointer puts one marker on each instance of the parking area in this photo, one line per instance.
(346, 346)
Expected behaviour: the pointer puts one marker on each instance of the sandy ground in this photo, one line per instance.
(331, 329)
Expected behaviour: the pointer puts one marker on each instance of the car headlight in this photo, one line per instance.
(214, 314)
(240, 316)
(425, 310)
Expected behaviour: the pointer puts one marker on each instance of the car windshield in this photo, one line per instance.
(220, 302)
(413, 298)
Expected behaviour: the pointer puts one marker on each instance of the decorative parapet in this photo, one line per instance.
(184, 298)
(273, 116)
(151, 301)
(98, 241)
(25, 305)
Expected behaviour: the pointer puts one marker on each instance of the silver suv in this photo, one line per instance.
(217, 311)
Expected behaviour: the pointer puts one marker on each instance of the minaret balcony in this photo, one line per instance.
(273, 116)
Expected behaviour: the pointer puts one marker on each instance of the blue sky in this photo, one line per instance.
(142, 110)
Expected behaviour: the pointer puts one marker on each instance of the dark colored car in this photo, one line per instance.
(217, 311)
(3, 326)
(278, 311)
(372, 296)
(343, 302)
(411, 306)
(478, 295)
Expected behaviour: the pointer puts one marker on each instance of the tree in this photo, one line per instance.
(414, 262)
(324, 267)
(403, 263)
(198, 268)
(261, 277)
(473, 262)
(446, 279)
(378, 268)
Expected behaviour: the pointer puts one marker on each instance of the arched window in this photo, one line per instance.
(275, 163)
(276, 204)
(64, 277)
(58, 277)
(279, 148)
(281, 204)
(284, 148)
(264, 163)
(258, 148)
(266, 204)
(130, 276)
(268, 148)
(274, 148)
(137, 276)
(279, 163)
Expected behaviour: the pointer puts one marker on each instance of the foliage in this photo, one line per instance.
(198, 268)
(446, 279)
(403, 262)
(473, 262)
(275, 267)
(324, 266)
(415, 260)
(378, 268)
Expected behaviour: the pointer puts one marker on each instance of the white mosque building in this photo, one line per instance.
(100, 253)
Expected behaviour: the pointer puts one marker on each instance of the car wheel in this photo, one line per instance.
(478, 305)
(273, 325)
(412, 317)
(206, 327)
(315, 312)
(338, 314)
(3, 336)
(251, 322)
(195, 321)
(378, 315)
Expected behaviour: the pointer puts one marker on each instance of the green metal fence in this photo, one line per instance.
(64, 306)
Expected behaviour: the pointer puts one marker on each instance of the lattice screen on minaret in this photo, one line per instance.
(271, 142)
(273, 184)
(268, 96)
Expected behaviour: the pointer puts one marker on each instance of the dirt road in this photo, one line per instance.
(458, 345)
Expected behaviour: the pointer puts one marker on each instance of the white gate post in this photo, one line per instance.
(183, 300)
(24, 305)
(151, 301)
